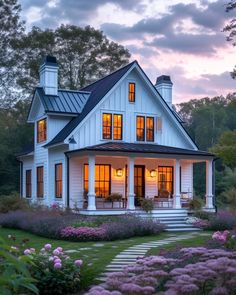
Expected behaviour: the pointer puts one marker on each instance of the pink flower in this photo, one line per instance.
(78, 262)
(27, 252)
(58, 260)
(60, 249)
(56, 252)
(48, 247)
(55, 257)
(32, 250)
(57, 265)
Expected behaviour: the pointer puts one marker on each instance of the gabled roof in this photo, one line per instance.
(26, 150)
(66, 102)
(140, 148)
(97, 91)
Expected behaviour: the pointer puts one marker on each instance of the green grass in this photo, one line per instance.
(193, 242)
(96, 255)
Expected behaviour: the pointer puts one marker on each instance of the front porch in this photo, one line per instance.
(115, 182)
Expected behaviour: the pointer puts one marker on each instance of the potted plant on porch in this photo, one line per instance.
(116, 199)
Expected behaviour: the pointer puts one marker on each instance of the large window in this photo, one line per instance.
(28, 184)
(42, 130)
(131, 92)
(150, 129)
(144, 128)
(117, 127)
(140, 128)
(112, 130)
(40, 177)
(102, 180)
(165, 179)
(58, 180)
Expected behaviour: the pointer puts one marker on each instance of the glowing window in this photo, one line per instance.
(149, 129)
(131, 92)
(117, 127)
(58, 180)
(107, 126)
(41, 130)
(140, 128)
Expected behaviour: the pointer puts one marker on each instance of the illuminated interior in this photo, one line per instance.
(106, 126)
(117, 127)
(150, 129)
(102, 180)
(140, 127)
(131, 92)
(58, 180)
(41, 130)
(165, 179)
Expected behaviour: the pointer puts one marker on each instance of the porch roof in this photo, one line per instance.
(140, 148)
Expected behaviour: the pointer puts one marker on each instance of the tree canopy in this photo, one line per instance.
(230, 28)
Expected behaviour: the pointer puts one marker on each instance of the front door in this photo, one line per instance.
(139, 183)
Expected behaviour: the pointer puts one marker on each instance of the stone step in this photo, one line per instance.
(183, 229)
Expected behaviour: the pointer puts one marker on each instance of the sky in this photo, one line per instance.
(183, 39)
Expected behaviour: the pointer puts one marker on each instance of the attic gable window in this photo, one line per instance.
(41, 130)
(150, 129)
(140, 128)
(131, 92)
(112, 126)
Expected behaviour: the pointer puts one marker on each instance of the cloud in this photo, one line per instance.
(75, 11)
(187, 28)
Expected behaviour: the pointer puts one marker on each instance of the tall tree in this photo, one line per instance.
(230, 28)
(11, 29)
(84, 55)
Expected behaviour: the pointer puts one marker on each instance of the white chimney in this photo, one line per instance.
(164, 87)
(48, 75)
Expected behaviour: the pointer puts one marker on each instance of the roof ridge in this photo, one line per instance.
(71, 90)
(121, 68)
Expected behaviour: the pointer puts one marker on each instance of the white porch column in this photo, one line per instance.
(130, 202)
(209, 194)
(176, 200)
(91, 184)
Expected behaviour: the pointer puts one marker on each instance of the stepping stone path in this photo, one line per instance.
(129, 256)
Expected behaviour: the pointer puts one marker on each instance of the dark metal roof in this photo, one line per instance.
(163, 79)
(67, 102)
(29, 148)
(98, 90)
(141, 148)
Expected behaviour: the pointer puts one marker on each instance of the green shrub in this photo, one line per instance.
(203, 215)
(195, 204)
(147, 204)
(230, 197)
(12, 203)
(15, 276)
(114, 197)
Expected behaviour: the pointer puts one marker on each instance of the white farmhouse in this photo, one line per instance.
(109, 145)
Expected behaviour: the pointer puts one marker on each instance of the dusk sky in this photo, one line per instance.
(183, 39)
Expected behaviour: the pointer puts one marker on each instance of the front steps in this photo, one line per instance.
(174, 219)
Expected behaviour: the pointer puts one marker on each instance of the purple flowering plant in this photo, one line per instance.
(54, 270)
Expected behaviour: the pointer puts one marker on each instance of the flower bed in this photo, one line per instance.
(74, 227)
(51, 270)
(223, 220)
(188, 271)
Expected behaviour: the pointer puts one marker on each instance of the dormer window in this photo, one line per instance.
(131, 92)
(41, 130)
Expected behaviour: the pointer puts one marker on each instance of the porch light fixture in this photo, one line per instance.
(153, 173)
(119, 172)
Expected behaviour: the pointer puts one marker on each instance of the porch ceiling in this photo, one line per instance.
(140, 150)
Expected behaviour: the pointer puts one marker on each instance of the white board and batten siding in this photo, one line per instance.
(89, 132)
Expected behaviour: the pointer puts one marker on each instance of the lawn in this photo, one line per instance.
(96, 255)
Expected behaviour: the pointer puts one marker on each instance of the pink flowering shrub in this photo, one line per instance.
(223, 220)
(196, 271)
(83, 233)
(225, 238)
(53, 270)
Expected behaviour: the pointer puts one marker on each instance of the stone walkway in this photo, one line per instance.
(129, 256)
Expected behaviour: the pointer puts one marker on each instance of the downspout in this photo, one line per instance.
(21, 178)
(67, 181)
(214, 185)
